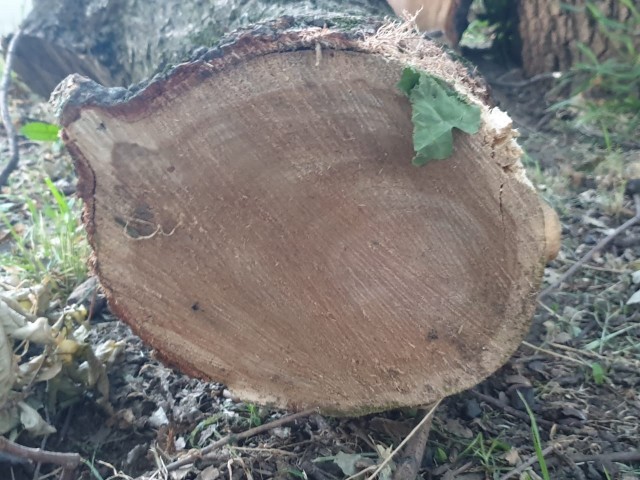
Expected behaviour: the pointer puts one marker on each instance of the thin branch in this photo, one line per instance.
(554, 354)
(12, 136)
(599, 246)
(530, 461)
(68, 461)
(416, 429)
(518, 413)
(577, 473)
(592, 133)
(196, 455)
(525, 83)
(411, 460)
(620, 457)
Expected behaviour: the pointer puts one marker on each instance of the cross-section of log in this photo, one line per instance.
(256, 217)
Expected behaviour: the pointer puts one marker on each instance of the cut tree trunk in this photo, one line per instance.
(256, 218)
(551, 31)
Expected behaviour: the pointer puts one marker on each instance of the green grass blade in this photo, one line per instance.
(537, 442)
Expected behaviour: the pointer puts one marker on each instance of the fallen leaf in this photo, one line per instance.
(454, 426)
(38, 331)
(347, 462)
(33, 422)
(512, 457)
(635, 298)
(158, 418)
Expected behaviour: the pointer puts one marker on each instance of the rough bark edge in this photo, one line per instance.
(397, 41)
(285, 34)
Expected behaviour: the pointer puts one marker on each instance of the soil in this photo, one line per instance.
(578, 369)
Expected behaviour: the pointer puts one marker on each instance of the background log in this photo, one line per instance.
(118, 43)
(256, 218)
(552, 29)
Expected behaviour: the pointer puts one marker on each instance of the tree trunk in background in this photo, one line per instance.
(121, 42)
(551, 33)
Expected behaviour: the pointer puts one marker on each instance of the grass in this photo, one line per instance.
(255, 419)
(486, 452)
(537, 442)
(52, 244)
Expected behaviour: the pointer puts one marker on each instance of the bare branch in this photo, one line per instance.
(599, 246)
(12, 136)
(68, 461)
(196, 455)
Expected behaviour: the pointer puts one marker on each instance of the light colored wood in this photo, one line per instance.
(259, 223)
(552, 231)
(431, 15)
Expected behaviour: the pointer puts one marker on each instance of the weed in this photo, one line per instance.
(537, 442)
(195, 433)
(255, 420)
(297, 473)
(90, 465)
(53, 245)
(486, 452)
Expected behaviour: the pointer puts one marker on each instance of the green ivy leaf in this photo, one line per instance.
(410, 78)
(436, 109)
(441, 456)
(40, 131)
(598, 373)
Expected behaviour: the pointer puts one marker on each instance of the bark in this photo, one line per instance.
(256, 218)
(121, 42)
(551, 33)
(448, 16)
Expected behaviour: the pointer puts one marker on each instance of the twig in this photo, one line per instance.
(554, 354)
(583, 129)
(68, 461)
(517, 413)
(195, 455)
(578, 474)
(530, 461)
(613, 361)
(599, 246)
(622, 457)
(316, 473)
(409, 463)
(525, 83)
(12, 136)
(427, 418)
(43, 443)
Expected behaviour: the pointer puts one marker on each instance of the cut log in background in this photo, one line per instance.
(551, 31)
(256, 218)
(118, 43)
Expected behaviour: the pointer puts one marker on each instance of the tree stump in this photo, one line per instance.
(256, 218)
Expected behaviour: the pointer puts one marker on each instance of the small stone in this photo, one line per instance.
(136, 453)
(281, 432)
(209, 473)
(472, 409)
(158, 418)
(528, 394)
